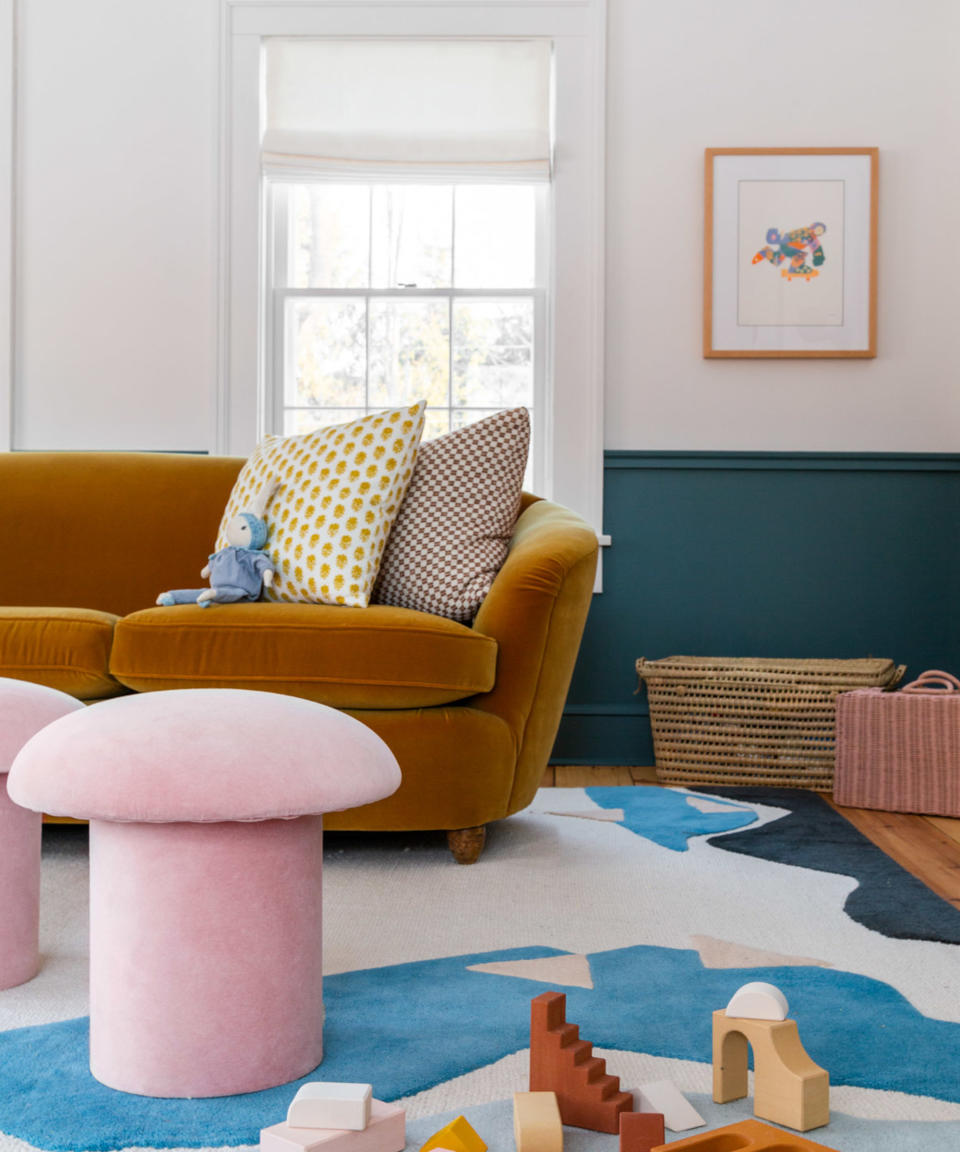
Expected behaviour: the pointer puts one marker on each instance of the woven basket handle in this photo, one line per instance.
(640, 665)
(933, 680)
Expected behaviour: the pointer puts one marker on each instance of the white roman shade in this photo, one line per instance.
(451, 108)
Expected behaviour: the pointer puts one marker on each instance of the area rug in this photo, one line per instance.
(647, 907)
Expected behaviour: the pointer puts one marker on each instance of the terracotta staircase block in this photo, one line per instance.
(561, 1062)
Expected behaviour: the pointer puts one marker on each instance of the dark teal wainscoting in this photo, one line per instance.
(762, 554)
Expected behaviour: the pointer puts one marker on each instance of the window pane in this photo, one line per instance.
(493, 353)
(298, 421)
(409, 352)
(437, 423)
(461, 417)
(343, 355)
(330, 236)
(326, 349)
(412, 230)
(495, 237)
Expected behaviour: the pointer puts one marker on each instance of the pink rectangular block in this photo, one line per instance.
(386, 1132)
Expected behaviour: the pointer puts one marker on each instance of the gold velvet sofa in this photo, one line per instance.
(470, 712)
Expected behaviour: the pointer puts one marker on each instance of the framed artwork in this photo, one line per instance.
(790, 252)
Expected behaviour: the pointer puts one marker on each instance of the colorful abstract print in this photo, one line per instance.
(800, 250)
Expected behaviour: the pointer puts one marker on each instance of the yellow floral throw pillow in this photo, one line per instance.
(339, 492)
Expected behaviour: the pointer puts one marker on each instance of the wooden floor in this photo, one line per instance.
(927, 846)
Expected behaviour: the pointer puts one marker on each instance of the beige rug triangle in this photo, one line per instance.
(703, 805)
(608, 815)
(716, 953)
(573, 969)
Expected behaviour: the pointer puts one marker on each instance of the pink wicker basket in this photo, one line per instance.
(900, 751)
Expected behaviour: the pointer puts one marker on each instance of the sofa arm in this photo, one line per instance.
(536, 611)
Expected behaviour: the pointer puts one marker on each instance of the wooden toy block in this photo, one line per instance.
(788, 1088)
(759, 1001)
(640, 1131)
(325, 1104)
(536, 1122)
(561, 1062)
(457, 1136)
(665, 1097)
(747, 1136)
(385, 1132)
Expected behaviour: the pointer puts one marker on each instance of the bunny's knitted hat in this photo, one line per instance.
(254, 515)
(258, 529)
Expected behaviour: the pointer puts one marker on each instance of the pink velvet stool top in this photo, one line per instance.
(26, 708)
(202, 755)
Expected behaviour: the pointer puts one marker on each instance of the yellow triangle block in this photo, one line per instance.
(457, 1136)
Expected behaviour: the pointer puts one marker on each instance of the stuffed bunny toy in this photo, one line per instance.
(239, 571)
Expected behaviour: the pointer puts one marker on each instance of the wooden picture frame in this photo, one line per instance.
(808, 291)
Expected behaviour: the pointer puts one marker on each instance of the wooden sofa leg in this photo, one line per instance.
(466, 844)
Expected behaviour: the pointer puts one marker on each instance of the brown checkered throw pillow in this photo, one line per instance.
(453, 529)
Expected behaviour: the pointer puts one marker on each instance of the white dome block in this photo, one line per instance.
(758, 1001)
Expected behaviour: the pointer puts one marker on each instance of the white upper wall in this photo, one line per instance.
(684, 75)
(116, 323)
(117, 188)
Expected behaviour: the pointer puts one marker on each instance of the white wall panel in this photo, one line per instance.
(117, 219)
(7, 148)
(116, 308)
(688, 74)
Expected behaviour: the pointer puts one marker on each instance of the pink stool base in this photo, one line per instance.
(20, 833)
(205, 955)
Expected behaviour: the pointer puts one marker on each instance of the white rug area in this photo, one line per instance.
(565, 875)
(590, 886)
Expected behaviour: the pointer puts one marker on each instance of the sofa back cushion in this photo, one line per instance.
(338, 491)
(453, 529)
(108, 530)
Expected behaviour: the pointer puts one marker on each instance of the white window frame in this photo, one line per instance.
(278, 351)
(571, 419)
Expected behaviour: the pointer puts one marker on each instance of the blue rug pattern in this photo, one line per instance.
(668, 818)
(812, 835)
(411, 1026)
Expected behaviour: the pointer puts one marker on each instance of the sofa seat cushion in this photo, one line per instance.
(63, 648)
(376, 657)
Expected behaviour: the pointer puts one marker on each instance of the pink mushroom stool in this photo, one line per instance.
(205, 876)
(24, 709)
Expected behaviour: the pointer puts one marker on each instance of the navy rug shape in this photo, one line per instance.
(887, 898)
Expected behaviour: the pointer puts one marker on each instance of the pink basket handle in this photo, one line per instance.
(932, 681)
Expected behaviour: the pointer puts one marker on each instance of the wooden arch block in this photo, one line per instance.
(788, 1088)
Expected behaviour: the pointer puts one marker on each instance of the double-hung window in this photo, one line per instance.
(407, 198)
(413, 206)
(382, 294)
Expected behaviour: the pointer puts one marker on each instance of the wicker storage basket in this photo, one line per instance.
(900, 751)
(728, 720)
